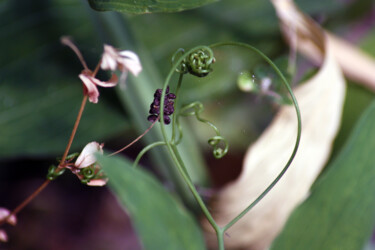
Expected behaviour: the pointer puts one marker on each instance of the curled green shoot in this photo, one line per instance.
(199, 62)
(195, 109)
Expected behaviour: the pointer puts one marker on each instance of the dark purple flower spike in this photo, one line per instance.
(168, 106)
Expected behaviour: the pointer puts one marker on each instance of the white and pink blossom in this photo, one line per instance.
(87, 156)
(124, 61)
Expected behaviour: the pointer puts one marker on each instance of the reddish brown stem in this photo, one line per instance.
(137, 139)
(26, 202)
(97, 68)
(66, 41)
(79, 116)
(61, 165)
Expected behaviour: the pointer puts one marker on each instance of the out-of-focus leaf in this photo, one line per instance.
(40, 92)
(321, 100)
(160, 221)
(295, 24)
(38, 121)
(356, 101)
(147, 6)
(339, 214)
(252, 21)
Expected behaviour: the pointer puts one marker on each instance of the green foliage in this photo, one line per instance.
(40, 92)
(147, 6)
(37, 119)
(160, 221)
(339, 214)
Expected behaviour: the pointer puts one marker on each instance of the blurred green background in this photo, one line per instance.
(40, 96)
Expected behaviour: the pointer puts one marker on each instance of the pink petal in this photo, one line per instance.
(92, 90)
(130, 61)
(87, 157)
(98, 182)
(110, 83)
(109, 58)
(3, 236)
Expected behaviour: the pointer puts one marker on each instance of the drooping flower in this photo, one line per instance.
(87, 169)
(111, 60)
(168, 106)
(87, 157)
(91, 82)
(124, 61)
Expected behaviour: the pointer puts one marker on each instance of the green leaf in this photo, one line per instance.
(160, 221)
(147, 6)
(340, 212)
(38, 120)
(40, 92)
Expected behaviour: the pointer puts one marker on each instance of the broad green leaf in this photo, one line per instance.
(340, 212)
(147, 6)
(160, 221)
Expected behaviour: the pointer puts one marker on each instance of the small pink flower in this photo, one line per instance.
(12, 220)
(91, 82)
(87, 76)
(5, 213)
(3, 236)
(123, 60)
(86, 163)
(87, 157)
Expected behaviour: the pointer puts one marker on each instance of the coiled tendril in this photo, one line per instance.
(197, 63)
(89, 173)
(196, 108)
(52, 174)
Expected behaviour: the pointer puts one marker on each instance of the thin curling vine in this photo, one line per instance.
(198, 62)
(195, 109)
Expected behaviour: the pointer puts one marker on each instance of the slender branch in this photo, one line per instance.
(137, 139)
(79, 116)
(66, 41)
(175, 104)
(96, 70)
(61, 165)
(145, 150)
(299, 124)
(27, 201)
(180, 167)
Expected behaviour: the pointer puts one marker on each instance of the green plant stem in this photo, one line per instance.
(283, 171)
(178, 156)
(220, 238)
(145, 150)
(174, 152)
(175, 104)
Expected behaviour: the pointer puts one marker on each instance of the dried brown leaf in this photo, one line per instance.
(305, 35)
(321, 100)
